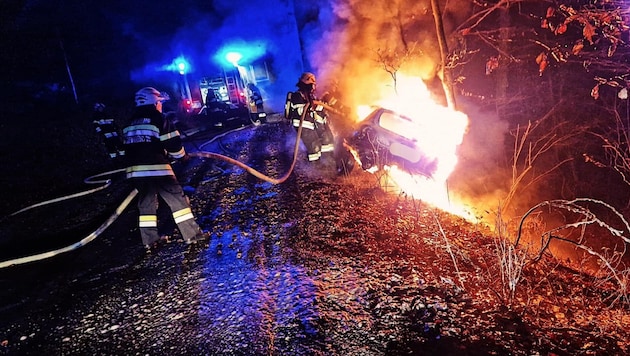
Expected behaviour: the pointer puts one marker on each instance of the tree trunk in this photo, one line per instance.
(447, 83)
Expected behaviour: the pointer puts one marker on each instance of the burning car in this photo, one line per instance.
(384, 138)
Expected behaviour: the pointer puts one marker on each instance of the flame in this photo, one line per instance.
(438, 132)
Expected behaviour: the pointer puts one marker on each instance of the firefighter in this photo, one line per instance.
(255, 98)
(151, 142)
(106, 127)
(331, 97)
(316, 133)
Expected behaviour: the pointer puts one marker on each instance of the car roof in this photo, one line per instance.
(393, 122)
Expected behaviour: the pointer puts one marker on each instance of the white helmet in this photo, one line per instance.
(307, 78)
(149, 95)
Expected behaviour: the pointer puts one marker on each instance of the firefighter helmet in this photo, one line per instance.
(307, 78)
(149, 95)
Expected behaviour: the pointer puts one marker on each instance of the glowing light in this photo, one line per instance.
(431, 191)
(233, 57)
(438, 132)
(245, 52)
(363, 111)
(179, 64)
(182, 68)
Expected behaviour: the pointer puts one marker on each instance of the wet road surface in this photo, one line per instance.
(245, 292)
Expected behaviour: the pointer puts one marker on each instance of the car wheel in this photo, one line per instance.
(368, 159)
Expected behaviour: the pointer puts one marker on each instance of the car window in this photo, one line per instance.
(398, 125)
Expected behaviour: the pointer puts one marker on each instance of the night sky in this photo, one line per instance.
(116, 46)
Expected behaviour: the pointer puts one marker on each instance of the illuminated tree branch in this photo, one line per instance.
(615, 141)
(529, 148)
(580, 209)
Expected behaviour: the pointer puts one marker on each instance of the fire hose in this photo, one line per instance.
(251, 170)
(106, 183)
(131, 196)
(88, 238)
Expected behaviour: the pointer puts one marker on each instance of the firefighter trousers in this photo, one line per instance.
(172, 193)
(313, 145)
(326, 137)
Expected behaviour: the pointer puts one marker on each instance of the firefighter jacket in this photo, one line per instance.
(294, 107)
(106, 127)
(255, 97)
(151, 142)
(316, 134)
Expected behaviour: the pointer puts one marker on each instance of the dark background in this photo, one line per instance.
(110, 48)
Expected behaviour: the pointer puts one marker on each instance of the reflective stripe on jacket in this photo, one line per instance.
(296, 105)
(305, 124)
(150, 170)
(151, 142)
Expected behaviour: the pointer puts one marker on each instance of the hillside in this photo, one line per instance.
(317, 265)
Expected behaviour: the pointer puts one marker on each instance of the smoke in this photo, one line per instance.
(347, 44)
(353, 33)
(344, 53)
(337, 40)
(480, 178)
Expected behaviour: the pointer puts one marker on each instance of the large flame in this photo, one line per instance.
(438, 134)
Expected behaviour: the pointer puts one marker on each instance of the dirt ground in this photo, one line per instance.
(319, 265)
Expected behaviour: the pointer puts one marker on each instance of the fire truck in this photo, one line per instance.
(228, 88)
(223, 97)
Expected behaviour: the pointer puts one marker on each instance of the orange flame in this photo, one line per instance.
(438, 133)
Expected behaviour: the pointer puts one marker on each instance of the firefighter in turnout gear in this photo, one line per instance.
(151, 142)
(316, 133)
(255, 97)
(106, 127)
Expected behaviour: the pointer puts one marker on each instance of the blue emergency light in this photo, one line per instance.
(182, 65)
(233, 57)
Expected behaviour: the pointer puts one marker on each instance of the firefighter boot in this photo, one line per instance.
(156, 245)
(200, 237)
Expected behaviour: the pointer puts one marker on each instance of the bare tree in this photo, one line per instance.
(591, 35)
(391, 61)
(614, 137)
(531, 143)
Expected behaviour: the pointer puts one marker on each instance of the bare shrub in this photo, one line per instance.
(510, 262)
(609, 265)
(584, 224)
(531, 144)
